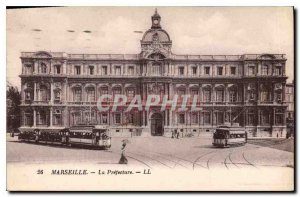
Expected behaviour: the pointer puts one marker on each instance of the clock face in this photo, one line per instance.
(155, 21)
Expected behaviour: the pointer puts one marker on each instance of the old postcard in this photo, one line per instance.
(150, 99)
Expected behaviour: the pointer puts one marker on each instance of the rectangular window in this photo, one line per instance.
(251, 118)
(278, 119)
(28, 119)
(181, 70)
(91, 70)
(278, 70)
(233, 70)
(57, 69)
(251, 70)
(104, 70)
(232, 96)
(156, 69)
(43, 68)
(206, 118)
(104, 118)
(131, 70)
(220, 118)
(57, 119)
(220, 70)
(207, 70)
(118, 70)
(265, 96)
(28, 69)
(265, 119)
(130, 118)
(194, 118)
(265, 69)
(181, 119)
(194, 70)
(77, 70)
(118, 118)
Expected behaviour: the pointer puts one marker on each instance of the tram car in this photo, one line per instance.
(226, 136)
(96, 136)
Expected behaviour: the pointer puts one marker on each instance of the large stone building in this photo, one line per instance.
(290, 101)
(61, 90)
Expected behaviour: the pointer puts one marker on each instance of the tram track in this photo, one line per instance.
(151, 158)
(176, 162)
(201, 156)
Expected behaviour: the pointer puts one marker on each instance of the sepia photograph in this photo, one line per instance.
(150, 99)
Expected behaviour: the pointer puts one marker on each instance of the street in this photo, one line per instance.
(155, 153)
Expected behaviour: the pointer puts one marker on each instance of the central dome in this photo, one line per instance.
(156, 34)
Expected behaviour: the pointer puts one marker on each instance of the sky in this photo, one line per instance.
(111, 30)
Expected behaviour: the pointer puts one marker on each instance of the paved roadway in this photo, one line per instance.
(155, 153)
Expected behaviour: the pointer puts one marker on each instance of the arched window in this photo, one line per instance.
(90, 93)
(219, 93)
(28, 95)
(232, 94)
(77, 94)
(130, 93)
(265, 94)
(207, 94)
(117, 91)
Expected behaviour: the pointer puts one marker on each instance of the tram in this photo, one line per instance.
(96, 136)
(226, 136)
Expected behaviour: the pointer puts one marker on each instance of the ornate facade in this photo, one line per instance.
(60, 90)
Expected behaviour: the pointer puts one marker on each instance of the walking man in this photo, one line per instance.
(123, 159)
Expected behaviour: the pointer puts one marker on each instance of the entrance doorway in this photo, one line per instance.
(157, 124)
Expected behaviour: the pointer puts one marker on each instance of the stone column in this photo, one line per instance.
(66, 91)
(64, 67)
(35, 67)
(213, 93)
(51, 116)
(34, 92)
(226, 94)
(51, 92)
(22, 92)
(34, 117)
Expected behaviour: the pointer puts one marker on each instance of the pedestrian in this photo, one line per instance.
(123, 159)
(177, 134)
